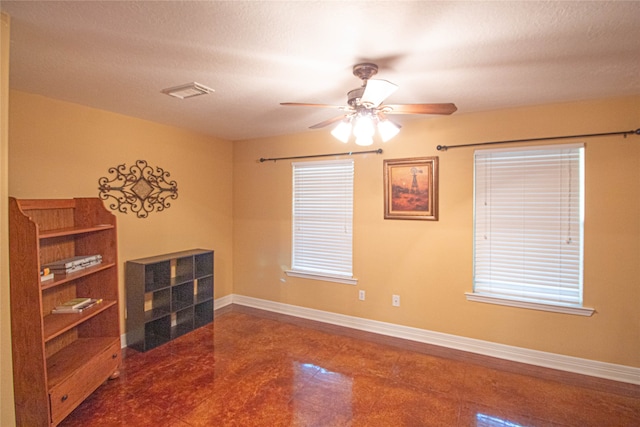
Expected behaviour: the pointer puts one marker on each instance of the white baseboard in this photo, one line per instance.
(577, 365)
(222, 302)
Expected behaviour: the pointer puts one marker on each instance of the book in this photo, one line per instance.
(61, 309)
(78, 267)
(73, 262)
(46, 277)
(74, 303)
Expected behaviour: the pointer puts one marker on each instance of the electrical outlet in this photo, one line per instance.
(361, 295)
(395, 300)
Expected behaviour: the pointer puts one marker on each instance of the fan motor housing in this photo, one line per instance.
(354, 96)
(365, 70)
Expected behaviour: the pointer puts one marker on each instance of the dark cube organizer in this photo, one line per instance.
(168, 296)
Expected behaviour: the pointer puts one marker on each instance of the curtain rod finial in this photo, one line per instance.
(442, 147)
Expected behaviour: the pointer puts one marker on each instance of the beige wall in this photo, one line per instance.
(231, 202)
(60, 150)
(7, 417)
(429, 264)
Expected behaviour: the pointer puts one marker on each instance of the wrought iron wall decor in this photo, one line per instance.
(142, 189)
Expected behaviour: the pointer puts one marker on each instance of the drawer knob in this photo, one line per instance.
(64, 397)
(114, 356)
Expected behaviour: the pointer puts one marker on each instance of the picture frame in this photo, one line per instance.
(411, 188)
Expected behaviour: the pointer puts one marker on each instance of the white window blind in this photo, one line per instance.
(529, 218)
(323, 217)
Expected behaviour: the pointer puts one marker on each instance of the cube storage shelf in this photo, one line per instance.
(168, 296)
(60, 359)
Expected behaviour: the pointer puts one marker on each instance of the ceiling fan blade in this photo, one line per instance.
(377, 91)
(301, 104)
(383, 117)
(327, 122)
(420, 109)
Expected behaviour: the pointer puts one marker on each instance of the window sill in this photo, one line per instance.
(579, 311)
(323, 277)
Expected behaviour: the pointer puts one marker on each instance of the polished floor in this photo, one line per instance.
(251, 368)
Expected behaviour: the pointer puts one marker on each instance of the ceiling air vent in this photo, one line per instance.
(188, 91)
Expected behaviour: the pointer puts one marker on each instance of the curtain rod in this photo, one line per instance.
(625, 133)
(350, 153)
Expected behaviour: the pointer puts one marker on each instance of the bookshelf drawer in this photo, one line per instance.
(67, 394)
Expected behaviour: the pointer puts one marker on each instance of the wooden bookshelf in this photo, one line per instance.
(60, 359)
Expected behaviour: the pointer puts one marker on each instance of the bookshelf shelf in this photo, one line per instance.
(61, 279)
(60, 359)
(70, 231)
(66, 361)
(57, 324)
(168, 296)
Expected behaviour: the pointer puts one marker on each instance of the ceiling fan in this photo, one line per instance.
(365, 110)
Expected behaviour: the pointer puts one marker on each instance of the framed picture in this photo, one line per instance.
(411, 188)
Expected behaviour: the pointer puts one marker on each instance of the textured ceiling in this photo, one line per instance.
(118, 56)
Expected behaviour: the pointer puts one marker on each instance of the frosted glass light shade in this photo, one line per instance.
(363, 127)
(364, 140)
(342, 132)
(387, 130)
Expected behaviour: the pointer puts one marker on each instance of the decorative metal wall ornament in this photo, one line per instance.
(142, 189)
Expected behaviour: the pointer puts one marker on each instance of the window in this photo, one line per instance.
(528, 238)
(323, 220)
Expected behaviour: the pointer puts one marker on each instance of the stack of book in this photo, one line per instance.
(76, 305)
(45, 274)
(71, 265)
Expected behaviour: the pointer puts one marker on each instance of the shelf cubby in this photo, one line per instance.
(203, 264)
(203, 313)
(181, 296)
(157, 332)
(157, 304)
(181, 322)
(157, 276)
(204, 289)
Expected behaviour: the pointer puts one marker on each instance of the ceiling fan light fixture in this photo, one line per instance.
(188, 90)
(387, 130)
(366, 112)
(363, 126)
(342, 131)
